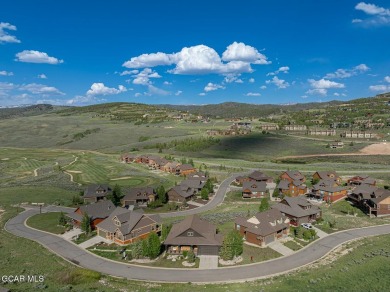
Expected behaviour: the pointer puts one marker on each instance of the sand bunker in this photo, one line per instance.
(377, 149)
(5, 159)
(119, 178)
(74, 171)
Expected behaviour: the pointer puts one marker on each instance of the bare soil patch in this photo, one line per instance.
(377, 149)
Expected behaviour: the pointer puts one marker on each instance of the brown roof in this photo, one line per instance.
(254, 186)
(295, 175)
(295, 207)
(183, 167)
(137, 193)
(258, 176)
(97, 191)
(206, 230)
(264, 223)
(328, 185)
(183, 190)
(101, 209)
(331, 174)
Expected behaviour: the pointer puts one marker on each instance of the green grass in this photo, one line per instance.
(236, 196)
(258, 254)
(84, 237)
(47, 222)
(292, 245)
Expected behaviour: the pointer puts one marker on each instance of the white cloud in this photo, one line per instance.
(84, 100)
(41, 89)
(6, 73)
(380, 87)
(153, 90)
(5, 86)
(387, 79)
(202, 94)
(42, 76)
(346, 73)
(377, 15)
(143, 77)
(30, 56)
(129, 72)
(253, 94)
(251, 80)
(202, 59)
(263, 87)
(138, 94)
(167, 83)
(242, 52)
(321, 86)
(304, 96)
(280, 83)
(178, 92)
(211, 87)
(283, 69)
(5, 37)
(336, 94)
(372, 9)
(101, 89)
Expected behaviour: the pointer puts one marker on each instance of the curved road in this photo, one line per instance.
(83, 258)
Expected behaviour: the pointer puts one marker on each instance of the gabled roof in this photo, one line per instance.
(295, 175)
(97, 191)
(258, 176)
(380, 195)
(283, 184)
(183, 190)
(194, 183)
(328, 185)
(206, 230)
(365, 190)
(254, 186)
(198, 175)
(183, 167)
(101, 209)
(294, 207)
(138, 193)
(331, 174)
(264, 223)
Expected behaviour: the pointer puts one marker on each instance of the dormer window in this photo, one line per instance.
(190, 233)
(117, 222)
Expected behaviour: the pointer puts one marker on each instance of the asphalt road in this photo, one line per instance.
(83, 258)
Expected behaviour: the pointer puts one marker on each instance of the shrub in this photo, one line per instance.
(191, 256)
(185, 253)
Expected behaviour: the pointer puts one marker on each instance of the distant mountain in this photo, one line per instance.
(26, 110)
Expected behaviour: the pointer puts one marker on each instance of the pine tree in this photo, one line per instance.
(264, 205)
(204, 194)
(154, 245)
(62, 219)
(86, 224)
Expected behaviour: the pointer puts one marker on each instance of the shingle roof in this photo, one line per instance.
(194, 183)
(254, 186)
(184, 167)
(258, 176)
(264, 223)
(97, 191)
(292, 206)
(138, 193)
(283, 184)
(101, 209)
(364, 190)
(207, 231)
(183, 190)
(327, 174)
(295, 174)
(328, 186)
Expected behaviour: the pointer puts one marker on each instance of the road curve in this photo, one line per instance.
(83, 258)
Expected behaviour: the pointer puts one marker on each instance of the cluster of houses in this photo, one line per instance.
(155, 162)
(239, 128)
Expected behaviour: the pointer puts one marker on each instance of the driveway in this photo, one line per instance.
(320, 233)
(85, 259)
(92, 241)
(72, 233)
(208, 262)
(280, 248)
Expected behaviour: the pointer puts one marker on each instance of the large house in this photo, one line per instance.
(379, 204)
(94, 193)
(253, 189)
(326, 175)
(298, 210)
(156, 162)
(328, 191)
(194, 234)
(291, 188)
(124, 226)
(256, 176)
(361, 194)
(264, 227)
(293, 175)
(181, 193)
(185, 169)
(96, 212)
(361, 180)
(138, 196)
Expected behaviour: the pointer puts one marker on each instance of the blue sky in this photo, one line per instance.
(84, 52)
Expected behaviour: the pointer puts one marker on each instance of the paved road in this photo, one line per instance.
(87, 260)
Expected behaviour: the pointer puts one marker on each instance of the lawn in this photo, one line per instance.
(292, 245)
(236, 196)
(258, 254)
(47, 222)
(84, 237)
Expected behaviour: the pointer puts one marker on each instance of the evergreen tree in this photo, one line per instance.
(166, 228)
(190, 161)
(86, 224)
(62, 219)
(162, 194)
(116, 195)
(264, 205)
(204, 194)
(154, 245)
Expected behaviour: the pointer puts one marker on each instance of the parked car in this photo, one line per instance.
(307, 225)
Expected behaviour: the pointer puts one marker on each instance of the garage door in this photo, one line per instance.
(208, 250)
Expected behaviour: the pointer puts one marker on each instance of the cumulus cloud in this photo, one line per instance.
(387, 79)
(30, 56)
(178, 92)
(263, 87)
(321, 86)
(251, 80)
(6, 73)
(101, 89)
(41, 89)
(346, 73)
(143, 77)
(128, 72)
(280, 83)
(42, 76)
(377, 15)
(5, 37)
(201, 59)
(381, 87)
(283, 69)
(167, 83)
(211, 87)
(253, 94)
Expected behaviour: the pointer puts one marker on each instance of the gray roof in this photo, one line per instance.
(283, 184)
(183, 190)
(128, 220)
(327, 174)
(185, 167)
(295, 174)
(194, 183)
(254, 186)
(328, 186)
(270, 221)
(101, 209)
(364, 190)
(380, 195)
(97, 191)
(258, 176)
(294, 206)
(138, 193)
(198, 175)
(206, 230)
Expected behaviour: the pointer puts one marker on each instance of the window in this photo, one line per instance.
(190, 233)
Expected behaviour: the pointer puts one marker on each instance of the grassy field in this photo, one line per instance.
(47, 222)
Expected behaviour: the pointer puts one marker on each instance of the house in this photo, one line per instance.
(295, 128)
(181, 193)
(269, 127)
(253, 189)
(138, 196)
(361, 194)
(264, 227)
(156, 162)
(321, 132)
(293, 175)
(361, 180)
(94, 193)
(326, 175)
(299, 210)
(194, 183)
(96, 212)
(328, 190)
(379, 203)
(259, 176)
(336, 145)
(128, 158)
(198, 175)
(194, 234)
(291, 188)
(124, 226)
(170, 167)
(359, 135)
(185, 169)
